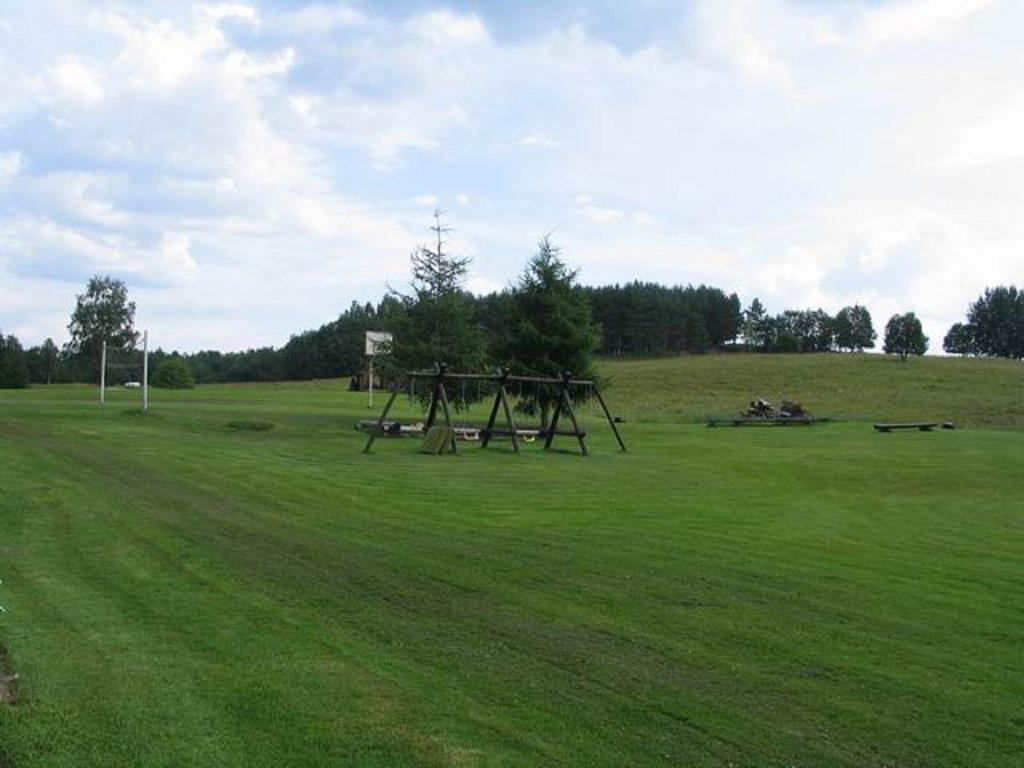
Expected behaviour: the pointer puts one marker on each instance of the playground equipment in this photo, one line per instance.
(440, 403)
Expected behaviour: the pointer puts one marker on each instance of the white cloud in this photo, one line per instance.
(482, 286)
(538, 140)
(75, 80)
(176, 257)
(444, 28)
(735, 30)
(317, 19)
(598, 215)
(913, 20)
(214, 13)
(806, 153)
(385, 130)
(993, 137)
(10, 164)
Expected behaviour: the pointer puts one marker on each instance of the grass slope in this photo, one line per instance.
(184, 588)
(971, 392)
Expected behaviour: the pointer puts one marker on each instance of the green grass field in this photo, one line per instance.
(185, 588)
(970, 392)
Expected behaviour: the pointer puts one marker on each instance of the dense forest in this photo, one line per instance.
(635, 318)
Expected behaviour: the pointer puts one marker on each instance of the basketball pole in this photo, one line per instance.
(145, 370)
(370, 405)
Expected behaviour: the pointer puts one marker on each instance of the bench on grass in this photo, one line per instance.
(758, 422)
(921, 426)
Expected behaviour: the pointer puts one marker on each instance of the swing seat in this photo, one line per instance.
(388, 428)
(439, 440)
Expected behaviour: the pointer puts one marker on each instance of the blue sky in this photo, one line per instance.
(250, 168)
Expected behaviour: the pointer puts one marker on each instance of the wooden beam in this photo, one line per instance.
(508, 417)
(551, 428)
(443, 396)
(485, 436)
(380, 422)
(608, 415)
(581, 436)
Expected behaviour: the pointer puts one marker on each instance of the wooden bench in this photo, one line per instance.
(921, 426)
(756, 422)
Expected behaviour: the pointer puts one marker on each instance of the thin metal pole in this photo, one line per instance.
(145, 370)
(370, 405)
(103, 374)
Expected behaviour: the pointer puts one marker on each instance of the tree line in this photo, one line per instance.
(545, 323)
(815, 330)
(994, 326)
(542, 324)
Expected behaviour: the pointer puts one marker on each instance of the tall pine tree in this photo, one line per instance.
(550, 328)
(436, 323)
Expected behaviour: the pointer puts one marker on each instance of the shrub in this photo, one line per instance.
(13, 366)
(174, 373)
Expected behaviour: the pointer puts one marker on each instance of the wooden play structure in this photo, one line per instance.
(442, 434)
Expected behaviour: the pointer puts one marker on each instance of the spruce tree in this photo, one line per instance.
(550, 328)
(436, 322)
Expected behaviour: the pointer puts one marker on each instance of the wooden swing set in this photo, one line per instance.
(442, 439)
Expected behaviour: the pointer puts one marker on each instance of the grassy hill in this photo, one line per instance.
(227, 580)
(970, 392)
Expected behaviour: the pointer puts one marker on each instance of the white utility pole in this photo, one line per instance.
(145, 370)
(103, 373)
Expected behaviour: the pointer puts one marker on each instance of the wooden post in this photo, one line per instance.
(564, 403)
(383, 415)
(447, 414)
(575, 425)
(432, 412)
(485, 438)
(501, 400)
(554, 418)
(608, 415)
(508, 417)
